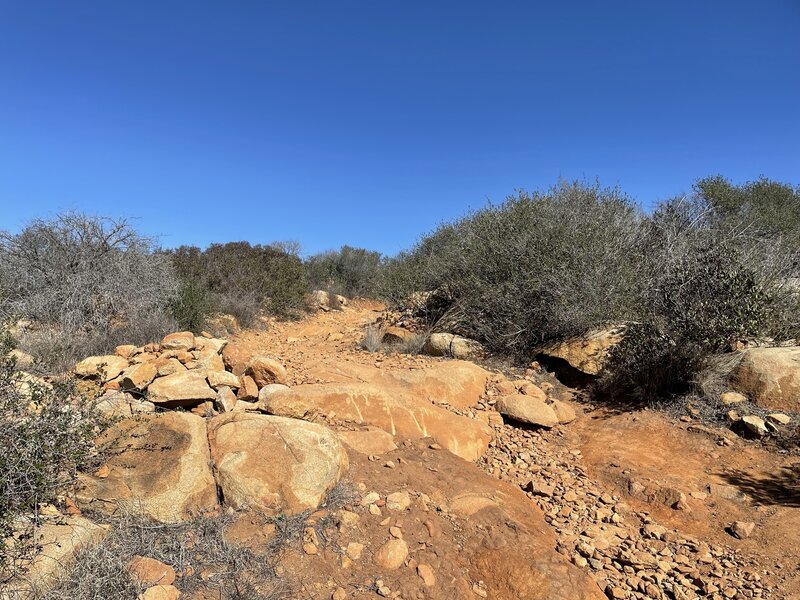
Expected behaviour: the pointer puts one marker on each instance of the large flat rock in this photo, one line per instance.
(366, 404)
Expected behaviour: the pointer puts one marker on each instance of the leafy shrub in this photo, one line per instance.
(351, 272)
(697, 274)
(242, 279)
(711, 283)
(88, 283)
(192, 306)
(770, 208)
(46, 434)
(535, 268)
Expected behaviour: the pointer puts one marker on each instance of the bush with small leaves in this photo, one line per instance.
(46, 434)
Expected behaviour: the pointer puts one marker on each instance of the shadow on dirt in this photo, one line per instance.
(779, 489)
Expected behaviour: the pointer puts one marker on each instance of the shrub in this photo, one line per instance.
(770, 208)
(692, 277)
(535, 268)
(102, 571)
(711, 282)
(242, 279)
(351, 272)
(192, 306)
(46, 434)
(88, 283)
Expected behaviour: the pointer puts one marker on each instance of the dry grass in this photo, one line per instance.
(195, 550)
(373, 339)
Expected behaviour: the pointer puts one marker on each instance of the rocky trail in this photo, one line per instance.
(431, 493)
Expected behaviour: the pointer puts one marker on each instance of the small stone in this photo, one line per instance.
(392, 554)
(732, 398)
(310, 548)
(396, 532)
(149, 571)
(354, 550)
(339, 594)
(779, 418)
(742, 529)
(427, 575)
(370, 498)
(755, 424)
(398, 501)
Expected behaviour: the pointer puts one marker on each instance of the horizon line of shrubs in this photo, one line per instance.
(690, 277)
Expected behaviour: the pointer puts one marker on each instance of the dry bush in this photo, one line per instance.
(544, 266)
(87, 282)
(373, 339)
(46, 434)
(240, 573)
(351, 272)
(534, 268)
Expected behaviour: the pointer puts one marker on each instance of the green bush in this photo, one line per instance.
(535, 268)
(351, 272)
(691, 278)
(770, 208)
(46, 434)
(711, 282)
(242, 279)
(192, 307)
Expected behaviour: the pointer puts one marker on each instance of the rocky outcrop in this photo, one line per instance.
(159, 467)
(770, 377)
(274, 464)
(366, 404)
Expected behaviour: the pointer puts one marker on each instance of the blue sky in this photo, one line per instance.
(369, 123)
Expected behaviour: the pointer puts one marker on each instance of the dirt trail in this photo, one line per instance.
(631, 486)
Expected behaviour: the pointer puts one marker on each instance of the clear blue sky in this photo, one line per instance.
(370, 122)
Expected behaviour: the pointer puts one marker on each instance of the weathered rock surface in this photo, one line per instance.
(274, 464)
(527, 409)
(372, 442)
(218, 379)
(59, 543)
(397, 335)
(188, 388)
(365, 404)
(159, 467)
(770, 377)
(109, 365)
(121, 404)
(588, 352)
(265, 370)
(138, 377)
(181, 340)
(149, 571)
(448, 344)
